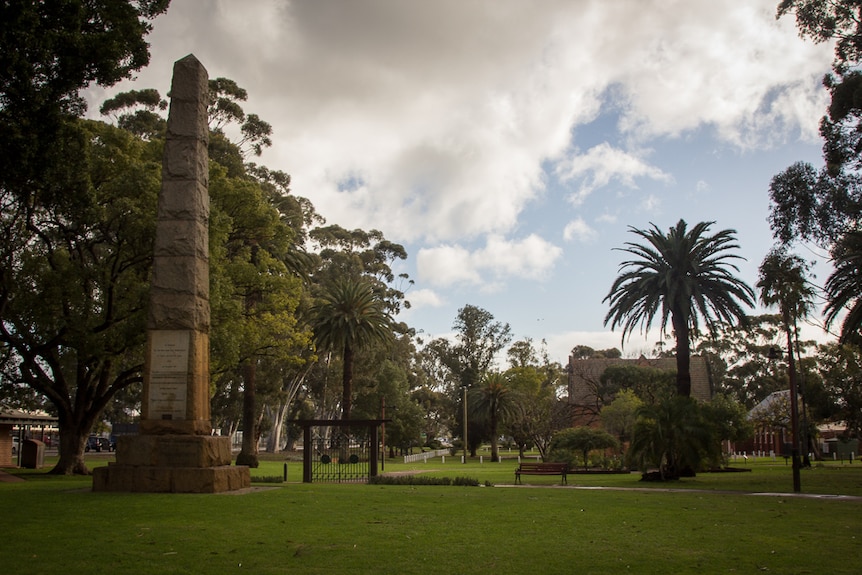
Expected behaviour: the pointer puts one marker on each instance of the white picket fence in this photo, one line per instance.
(425, 455)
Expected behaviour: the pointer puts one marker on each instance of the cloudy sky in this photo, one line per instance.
(509, 145)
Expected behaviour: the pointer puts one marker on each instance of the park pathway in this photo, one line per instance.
(671, 490)
(9, 478)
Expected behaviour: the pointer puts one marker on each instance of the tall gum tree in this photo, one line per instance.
(825, 206)
(478, 340)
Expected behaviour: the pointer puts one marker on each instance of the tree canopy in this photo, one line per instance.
(78, 347)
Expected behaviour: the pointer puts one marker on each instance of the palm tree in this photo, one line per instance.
(683, 277)
(671, 436)
(782, 282)
(491, 402)
(844, 286)
(349, 317)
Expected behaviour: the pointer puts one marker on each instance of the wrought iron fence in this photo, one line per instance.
(339, 456)
(339, 451)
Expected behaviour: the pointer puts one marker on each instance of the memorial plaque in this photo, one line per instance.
(169, 372)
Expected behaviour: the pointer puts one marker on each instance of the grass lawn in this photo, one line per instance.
(58, 525)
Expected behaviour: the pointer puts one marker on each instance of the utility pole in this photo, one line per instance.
(464, 387)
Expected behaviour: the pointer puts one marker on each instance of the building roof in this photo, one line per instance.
(17, 417)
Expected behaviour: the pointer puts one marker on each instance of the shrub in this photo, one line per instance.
(268, 479)
(568, 443)
(422, 480)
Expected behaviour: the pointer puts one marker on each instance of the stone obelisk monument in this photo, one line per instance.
(175, 451)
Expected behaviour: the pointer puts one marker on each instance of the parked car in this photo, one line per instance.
(14, 445)
(98, 444)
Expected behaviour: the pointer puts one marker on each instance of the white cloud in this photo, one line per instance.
(451, 110)
(603, 164)
(650, 204)
(579, 230)
(721, 64)
(451, 119)
(445, 265)
(560, 344)
(422, 298)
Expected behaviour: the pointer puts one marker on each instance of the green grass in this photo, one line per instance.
(58, 525)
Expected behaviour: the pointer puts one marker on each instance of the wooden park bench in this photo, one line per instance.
(560, 469)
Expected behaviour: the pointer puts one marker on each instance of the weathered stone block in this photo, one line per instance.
(173, 450)
(189, 98)
(182, 274)
(128, 478)
(185, 159)
(181, 201)
(178, 311)
(172, 464)
(182, 238)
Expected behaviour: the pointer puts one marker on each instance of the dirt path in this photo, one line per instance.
(9, 478)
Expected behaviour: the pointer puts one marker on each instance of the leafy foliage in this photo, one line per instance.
(670, 436)
(841, 366)
(619, 416)
(580, 440)
(649, 384)
(844, 287)
(80, 347)
(48, 52)
(537, 410)
(823, 205)
(463, 364)
(491, 401)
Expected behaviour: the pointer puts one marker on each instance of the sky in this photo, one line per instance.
(510, 146)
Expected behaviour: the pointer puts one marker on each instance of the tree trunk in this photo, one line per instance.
(683, 355)
(276, 415)
(72, 440)
(474, 435)
(347, 382)
(495, 450)
(248, 453)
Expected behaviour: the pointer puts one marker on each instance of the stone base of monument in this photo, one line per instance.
(172, 464)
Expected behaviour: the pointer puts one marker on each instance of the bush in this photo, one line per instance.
(433, 444)
(573, 446)
(422, 480)
(268, 479)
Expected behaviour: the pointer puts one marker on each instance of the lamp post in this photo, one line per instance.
(383, 432)
(464, 387)
(794, 412)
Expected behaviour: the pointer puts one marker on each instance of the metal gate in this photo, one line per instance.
(338, 451)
